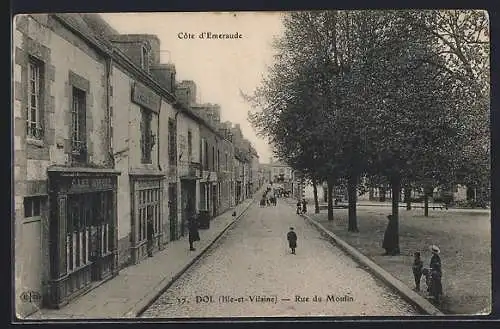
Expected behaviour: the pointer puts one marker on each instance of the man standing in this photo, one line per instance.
(292, 240)
(194, 235)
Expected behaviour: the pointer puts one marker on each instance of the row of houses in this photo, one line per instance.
(105, 137)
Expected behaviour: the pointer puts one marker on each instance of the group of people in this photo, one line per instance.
(432, 274)
(301, 207)
(268, 198)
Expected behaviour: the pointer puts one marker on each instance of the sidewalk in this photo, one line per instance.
(136, 286)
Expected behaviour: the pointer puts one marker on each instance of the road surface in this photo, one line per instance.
(251, 272)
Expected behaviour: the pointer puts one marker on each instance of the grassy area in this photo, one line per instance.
(463, 237)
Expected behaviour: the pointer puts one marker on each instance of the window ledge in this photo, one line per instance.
(35, 142)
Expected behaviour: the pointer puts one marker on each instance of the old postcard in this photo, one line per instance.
(251, 164)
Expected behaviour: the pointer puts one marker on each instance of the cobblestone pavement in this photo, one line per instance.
(250, 272)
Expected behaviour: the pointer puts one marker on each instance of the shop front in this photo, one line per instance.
(147, 200)
(82, 230)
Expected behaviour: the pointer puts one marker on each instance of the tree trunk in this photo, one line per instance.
(426, 204)
(408, 197)
(330, 199)
(396, 190)
(352, 196)
(316, 201)
(325, 194)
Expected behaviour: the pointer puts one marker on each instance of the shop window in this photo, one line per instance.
(34, 117)
(78, 125)
(88, 228)
(149, 204)
(147, 137)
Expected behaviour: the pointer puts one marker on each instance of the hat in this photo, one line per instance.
(291, 228)
(435, 248)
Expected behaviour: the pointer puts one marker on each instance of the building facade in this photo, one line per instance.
(105, 139)
(65, 181)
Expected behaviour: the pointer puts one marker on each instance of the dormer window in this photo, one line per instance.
(145, 58)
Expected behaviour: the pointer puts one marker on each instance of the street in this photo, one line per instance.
(250, 272)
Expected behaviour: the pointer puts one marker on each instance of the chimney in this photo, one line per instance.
(165, 75)
(186, 92)
(132, 45)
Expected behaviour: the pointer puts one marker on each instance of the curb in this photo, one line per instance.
(403, 290)
(148, 300)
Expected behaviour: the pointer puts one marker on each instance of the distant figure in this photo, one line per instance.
(304, 206)
(299, 208)
(390, 238)
(150, 235)
(292, 240)
(417, 268)
(263, 201)
(194, 235)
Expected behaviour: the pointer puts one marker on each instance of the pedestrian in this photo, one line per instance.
(417, 268)
(194, 235)
(150, 234)
(390, 237)
(304, 206)
(292, 240)
(436, 288)
(299, 207)
(263, 200)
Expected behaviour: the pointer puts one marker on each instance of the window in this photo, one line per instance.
(78, 124)
(145, 58)
(218, 160)
(34, 116)
(213, 158)
(172, 149)
(147, 136)
(33, 207)
(190, 145)
(205, 149)
(89, 233)
(149, 205)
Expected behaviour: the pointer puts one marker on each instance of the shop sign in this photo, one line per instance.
(145, 97)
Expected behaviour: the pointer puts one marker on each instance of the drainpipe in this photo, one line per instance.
(158, 136)
(109, 67)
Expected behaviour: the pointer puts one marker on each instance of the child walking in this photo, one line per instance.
(292, 240)
(417, 268)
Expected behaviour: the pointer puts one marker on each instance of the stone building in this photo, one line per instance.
(65, 181)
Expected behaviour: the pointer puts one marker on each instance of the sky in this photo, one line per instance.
(220, 68)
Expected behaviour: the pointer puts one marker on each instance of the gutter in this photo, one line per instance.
(158, 136)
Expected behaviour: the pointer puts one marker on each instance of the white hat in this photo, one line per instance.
(435, 248)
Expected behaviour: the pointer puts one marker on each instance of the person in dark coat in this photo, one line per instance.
(436, 288)
(299, 207)
(292, 240)
(150, 235)
(194, 235)
(390, 237)
(304, 206)
(417, 269)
